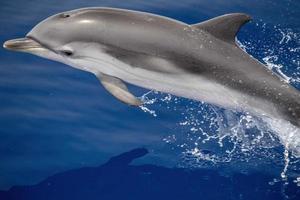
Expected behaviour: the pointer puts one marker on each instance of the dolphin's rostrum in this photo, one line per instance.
(200, 62)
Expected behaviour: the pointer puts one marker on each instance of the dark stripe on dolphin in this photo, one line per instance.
(240, 82)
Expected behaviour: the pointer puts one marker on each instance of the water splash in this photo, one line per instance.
(289, 137)
(282, 48)
(269, 61)
(147, 101)
(209, 136)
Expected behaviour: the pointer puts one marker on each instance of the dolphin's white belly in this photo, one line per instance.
(200, 89)
(180, 84)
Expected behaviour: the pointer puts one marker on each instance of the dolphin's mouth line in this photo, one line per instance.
(21, 44)
(42, 45)
(26, 44)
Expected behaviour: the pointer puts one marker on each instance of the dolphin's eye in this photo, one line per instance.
(67, 52)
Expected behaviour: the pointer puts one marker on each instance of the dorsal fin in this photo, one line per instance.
(224, 27)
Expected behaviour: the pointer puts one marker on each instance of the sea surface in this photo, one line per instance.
(54, 118)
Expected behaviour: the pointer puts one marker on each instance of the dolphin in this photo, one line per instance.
(200, 61)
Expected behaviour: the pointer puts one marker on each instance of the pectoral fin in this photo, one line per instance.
(118, 89)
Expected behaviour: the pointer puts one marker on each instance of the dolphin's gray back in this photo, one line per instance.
(133, 32)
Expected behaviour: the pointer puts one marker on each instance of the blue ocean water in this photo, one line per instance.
(55, 118)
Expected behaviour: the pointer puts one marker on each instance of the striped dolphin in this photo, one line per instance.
(200, 61)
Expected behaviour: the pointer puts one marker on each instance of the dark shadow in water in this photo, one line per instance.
(117, 179)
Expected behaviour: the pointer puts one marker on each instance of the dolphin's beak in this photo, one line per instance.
(22, 44)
